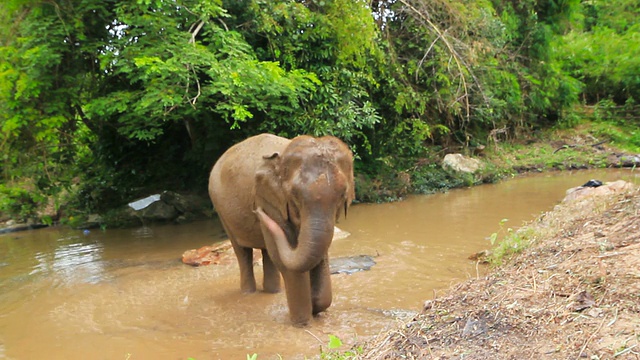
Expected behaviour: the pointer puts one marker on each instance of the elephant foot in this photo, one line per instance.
(298, 289)
(301, 322)
(247, 286)
(319, 307)
(248, 291)
(272, 290)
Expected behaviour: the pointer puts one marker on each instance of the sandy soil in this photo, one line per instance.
(573, 294)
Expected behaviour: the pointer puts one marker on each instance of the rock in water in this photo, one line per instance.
(207, 254)
(351, 264)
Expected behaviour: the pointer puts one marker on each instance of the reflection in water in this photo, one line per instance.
(142, 232)
(72, 262)
(125, 294)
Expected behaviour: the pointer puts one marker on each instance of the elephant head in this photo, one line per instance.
(299, 195)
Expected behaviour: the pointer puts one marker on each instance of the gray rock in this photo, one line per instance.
(461, 163)
(21, 227)
(630, 161)
(183, 203)
(351, 264)
(159, 211)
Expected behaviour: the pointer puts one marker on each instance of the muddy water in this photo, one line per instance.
(123, 294)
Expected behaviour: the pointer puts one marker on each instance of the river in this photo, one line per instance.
(124, 294)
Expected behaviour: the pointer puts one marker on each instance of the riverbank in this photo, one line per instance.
(587, 146)
(570, 291)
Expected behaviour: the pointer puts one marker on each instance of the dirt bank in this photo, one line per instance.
(573, 293)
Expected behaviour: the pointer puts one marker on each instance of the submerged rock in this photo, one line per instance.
(351, 264)
(216, 254)
(222, 252)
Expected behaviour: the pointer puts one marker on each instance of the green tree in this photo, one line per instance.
(602, 50)
(121, 89)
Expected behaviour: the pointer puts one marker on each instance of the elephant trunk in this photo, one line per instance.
(313, 242)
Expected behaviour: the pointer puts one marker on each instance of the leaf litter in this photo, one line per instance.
(574, 293)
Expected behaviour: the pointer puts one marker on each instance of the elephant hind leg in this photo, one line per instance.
(271, 280)
(321, 295)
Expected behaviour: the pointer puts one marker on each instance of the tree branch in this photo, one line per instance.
(452, 51)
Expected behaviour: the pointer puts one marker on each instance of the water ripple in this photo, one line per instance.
(72, 263)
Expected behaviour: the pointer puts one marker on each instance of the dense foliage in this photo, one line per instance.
(116, 99)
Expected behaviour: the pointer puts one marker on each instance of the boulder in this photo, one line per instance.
(185, 204)
(170, 206)
(159, 211)
(461, 163)
(630, 160)
(607, 189)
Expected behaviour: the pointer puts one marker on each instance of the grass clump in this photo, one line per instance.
(513, 243)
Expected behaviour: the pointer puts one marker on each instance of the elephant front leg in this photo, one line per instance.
(271, 280)
(321, 286)
(245, 261)
(298, 289)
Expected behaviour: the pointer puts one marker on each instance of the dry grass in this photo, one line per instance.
(573, 294)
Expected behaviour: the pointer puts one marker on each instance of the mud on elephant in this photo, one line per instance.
(284, 197)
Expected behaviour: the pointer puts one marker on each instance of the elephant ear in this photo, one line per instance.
(268, 192)
(344, 161)
(351, 191)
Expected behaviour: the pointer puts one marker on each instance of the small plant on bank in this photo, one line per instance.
(513, 243)
(334, 354)
(493, 237)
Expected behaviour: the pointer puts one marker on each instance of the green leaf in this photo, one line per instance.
(334, 342)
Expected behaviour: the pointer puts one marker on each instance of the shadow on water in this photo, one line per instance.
(123, 294)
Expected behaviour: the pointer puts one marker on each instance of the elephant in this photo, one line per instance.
(284, 196)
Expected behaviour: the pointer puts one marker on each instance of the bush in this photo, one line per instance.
(19, 204)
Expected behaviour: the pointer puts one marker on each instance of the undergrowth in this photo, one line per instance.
(586, 145)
